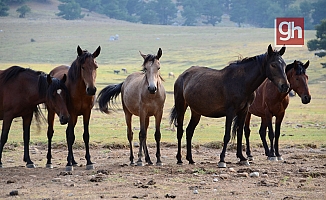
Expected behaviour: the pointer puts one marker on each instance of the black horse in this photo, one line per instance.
(227, 92)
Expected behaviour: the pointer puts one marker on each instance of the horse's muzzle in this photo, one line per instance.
(64, 120)
(284, 88)
(91, 91)
(152, 90)
(305, 99)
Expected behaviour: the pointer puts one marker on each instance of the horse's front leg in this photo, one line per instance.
(4, 134)
(158, 119)
(26, 137)
(241, 119)
(226, 139)
(142, 138)
(271, 136)
(278, 123)
(247, 136)
(262, 134)
(147, 157)
(89, 164)
(50, 135)
(70, 136)
(189, 134)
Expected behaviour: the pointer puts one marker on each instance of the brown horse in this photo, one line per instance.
(81, 85)
(21, 91)
(142, 95)
(227, 92)
(269, 102)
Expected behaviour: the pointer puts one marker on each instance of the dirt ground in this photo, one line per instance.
(302, 175)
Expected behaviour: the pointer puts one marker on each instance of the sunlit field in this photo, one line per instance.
(56, 41)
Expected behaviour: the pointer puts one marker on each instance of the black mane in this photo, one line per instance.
(300, 69)
(74, 71)
(13, 71)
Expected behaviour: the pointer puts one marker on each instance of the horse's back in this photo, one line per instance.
(59, 71)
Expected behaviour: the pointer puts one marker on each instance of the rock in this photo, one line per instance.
(243, 174)
(215, 180)
(264, 175)
(170, 196)
(254, 174)
(224, 176)
(196, 192)
(13, 193)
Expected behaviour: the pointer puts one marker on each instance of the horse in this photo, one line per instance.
(143, 95)
(171, 74)
(269, 102)
(21, 91)
(81, 85)
(226, 92)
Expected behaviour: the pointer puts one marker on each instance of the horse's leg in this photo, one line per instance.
(142, 137)
(27, 120)
(247, 135)
(70, 136)
(89, 164)
(226, 139)
(189, 133)
(4, 134)
(130, 134)
(271, 136)
(147, 157)
(158, 119)
(241, 118)
(50, 132)
(180, 119)
(262, 134)
(278, 123)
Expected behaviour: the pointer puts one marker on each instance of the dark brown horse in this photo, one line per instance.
(21, 90)
(142, 95)
(270, 102)
(81, 85)
(227, 92)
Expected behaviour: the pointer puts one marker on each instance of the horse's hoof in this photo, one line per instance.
(250, 158)
(132, 164)
(69, 168)
(280, 158)
(90, 167)
(30, 166)
(221, 165)
(244, 162)
(1, 166)
(272, 158)
(159, 164)
(179, 163)
(140, 164)
(49, 166)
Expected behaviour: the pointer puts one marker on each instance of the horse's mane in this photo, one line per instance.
(74, 71)
(300, 69)
(150, 57)
(13, 71)
(259, 58)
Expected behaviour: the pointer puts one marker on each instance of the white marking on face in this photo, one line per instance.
(59, 91)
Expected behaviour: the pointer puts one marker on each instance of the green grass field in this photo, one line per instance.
(56, 42)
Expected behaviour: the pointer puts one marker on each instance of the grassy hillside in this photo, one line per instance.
(56, 41)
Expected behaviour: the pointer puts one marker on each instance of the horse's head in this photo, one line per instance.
(88, 67)
(151, 67)
(296, 74)
(275, 68)
(57, 97)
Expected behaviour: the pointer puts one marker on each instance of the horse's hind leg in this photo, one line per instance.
(130, 135)
(189, 133)
(50, 135)
(26, 137)
(70, 136)
(247, 136)
(241, 118)
(262, 134)
(4, 135)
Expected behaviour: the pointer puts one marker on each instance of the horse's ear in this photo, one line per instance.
(306, 64)
(97, 52)
(281, 52)
(64, 78)
(142, 55)
(270, 50)
(159, 53)
(49, 79)
(79, 51)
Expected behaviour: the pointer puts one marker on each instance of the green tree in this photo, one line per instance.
(166, 10)
(192, 10)
(318, 11)
(320, 42)
(212, 11)
(238, 12)
(70, 10)
(4, 8)
(23, 10)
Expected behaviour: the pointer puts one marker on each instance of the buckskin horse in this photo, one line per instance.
(227, 92)
(270, 102)
(81, 86)
(143, 95)
(21, 91)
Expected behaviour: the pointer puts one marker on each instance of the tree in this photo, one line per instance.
(189, 12)
(4, 8)
(70, 10)
(166, 10)
(23, 10)
(212, 11)
(238, 12)
(320, 42)
(319, 11)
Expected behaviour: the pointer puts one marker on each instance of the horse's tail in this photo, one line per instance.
(235, 127)
(107, 95)
(173, 116)
(39, 116)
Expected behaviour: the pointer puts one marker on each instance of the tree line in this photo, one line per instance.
(190, 12)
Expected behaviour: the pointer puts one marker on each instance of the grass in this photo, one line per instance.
(56, 41)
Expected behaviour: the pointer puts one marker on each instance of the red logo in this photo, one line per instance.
(289, 32)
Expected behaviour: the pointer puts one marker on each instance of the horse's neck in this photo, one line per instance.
(255, 78)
